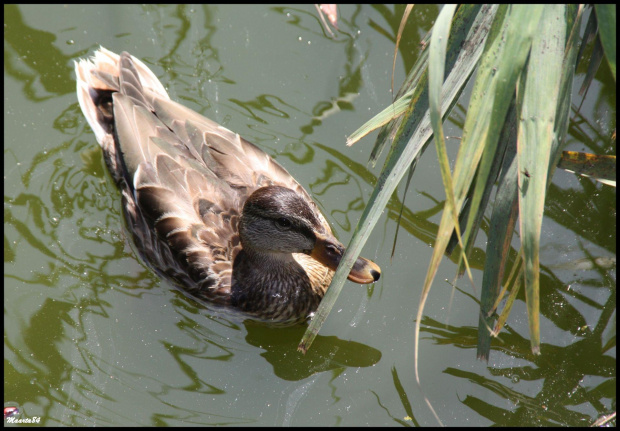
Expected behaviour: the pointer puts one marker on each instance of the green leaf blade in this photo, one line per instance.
(606, 16)
(539, 101)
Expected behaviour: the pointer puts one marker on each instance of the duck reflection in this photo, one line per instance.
(327, 353)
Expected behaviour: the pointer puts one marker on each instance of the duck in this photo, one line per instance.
(206, 209)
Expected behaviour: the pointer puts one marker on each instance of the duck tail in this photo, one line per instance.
(98, 78)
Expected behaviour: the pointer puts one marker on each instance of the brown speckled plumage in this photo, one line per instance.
(206, 208)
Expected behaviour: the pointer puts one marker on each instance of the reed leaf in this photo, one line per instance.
(473, 23)
(606, 16)
(516, 125)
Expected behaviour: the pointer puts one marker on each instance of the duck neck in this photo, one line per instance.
(272, 286)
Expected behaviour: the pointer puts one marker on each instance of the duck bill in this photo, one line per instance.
(328, 250)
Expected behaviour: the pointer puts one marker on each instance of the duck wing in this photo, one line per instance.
(184, 218)
(240, 164)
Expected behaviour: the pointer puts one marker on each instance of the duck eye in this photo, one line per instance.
(283, 223)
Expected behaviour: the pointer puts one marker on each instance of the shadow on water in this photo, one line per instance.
(328, 352)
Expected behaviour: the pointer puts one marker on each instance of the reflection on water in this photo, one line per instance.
(330, 353)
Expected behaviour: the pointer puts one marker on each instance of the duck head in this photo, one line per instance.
(278, 220)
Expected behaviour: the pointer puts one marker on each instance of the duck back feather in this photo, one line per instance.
(183, 177)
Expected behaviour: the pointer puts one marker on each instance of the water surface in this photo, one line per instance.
(93, 337)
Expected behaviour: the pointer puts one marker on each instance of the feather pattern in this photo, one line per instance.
(186, 184)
